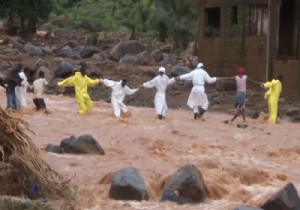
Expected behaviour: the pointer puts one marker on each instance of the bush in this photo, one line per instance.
(16, 204)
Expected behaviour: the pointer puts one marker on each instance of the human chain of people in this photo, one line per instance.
(16, 86)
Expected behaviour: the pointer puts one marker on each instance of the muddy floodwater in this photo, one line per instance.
(239, 165)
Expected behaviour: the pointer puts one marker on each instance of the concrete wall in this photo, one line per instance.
(291, 75)
(223, 60)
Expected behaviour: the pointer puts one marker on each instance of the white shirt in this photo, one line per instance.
(241, 83)
(39, 86)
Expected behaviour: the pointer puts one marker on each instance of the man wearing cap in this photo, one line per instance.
(241, 86)
(160, 82)
(81, 82)
(198, 99)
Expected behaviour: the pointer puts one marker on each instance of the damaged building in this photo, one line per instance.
(261, 35)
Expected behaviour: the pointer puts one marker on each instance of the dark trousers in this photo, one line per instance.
(39, 103)
(11, 100)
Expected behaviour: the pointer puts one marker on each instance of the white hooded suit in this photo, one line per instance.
(117, 96)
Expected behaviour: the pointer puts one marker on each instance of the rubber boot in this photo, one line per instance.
(201, 112)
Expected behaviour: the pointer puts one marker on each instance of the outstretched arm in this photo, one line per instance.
(223, 78)
(253, 81)
(268, 85)
(67, 82)
(92, 82)
(149, 84)
(188, 76)
(209, 79)
(108, 83)
(129, 91)
(171, 81)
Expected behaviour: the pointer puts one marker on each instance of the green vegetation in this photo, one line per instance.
(29, 11)
(14, 204)
(167, 20)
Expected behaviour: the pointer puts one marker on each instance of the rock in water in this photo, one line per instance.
(83, 144)
(186, 185)
(285, 199)
(127, 184)
(54, 148)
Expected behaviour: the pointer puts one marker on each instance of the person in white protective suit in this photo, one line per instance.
(161, 83)
(119, 91)
(21, 91)
(198, 99)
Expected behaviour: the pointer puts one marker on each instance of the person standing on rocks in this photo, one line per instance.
(241, 85)
(119, 91)
(81, 82)
(38, 89)
(272, 96)
(198, 99)
(161, 83)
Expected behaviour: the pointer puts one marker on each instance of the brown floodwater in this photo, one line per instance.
(239, 166)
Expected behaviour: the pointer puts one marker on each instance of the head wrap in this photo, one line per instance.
(162, 69)
(200, 66)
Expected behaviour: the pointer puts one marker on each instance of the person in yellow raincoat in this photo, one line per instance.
(272, 96)
(81, 81)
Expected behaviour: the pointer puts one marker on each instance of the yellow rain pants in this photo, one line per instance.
(272, 95)
(81, 83)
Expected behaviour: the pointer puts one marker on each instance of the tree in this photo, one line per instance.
(180, 17)
(29, 11)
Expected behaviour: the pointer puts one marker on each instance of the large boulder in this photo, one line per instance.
(168, 59)
(293, 114)
(127, 184)
(126, 47)
(75, 52)
(33, 50)
(84, 144)
(64, 51)
(89, 51)
(244, 207)
(47, 71)
(178, 70)
(186, 185)
(285, 199)
(156, 55)
(65, 69)
(142, 58)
